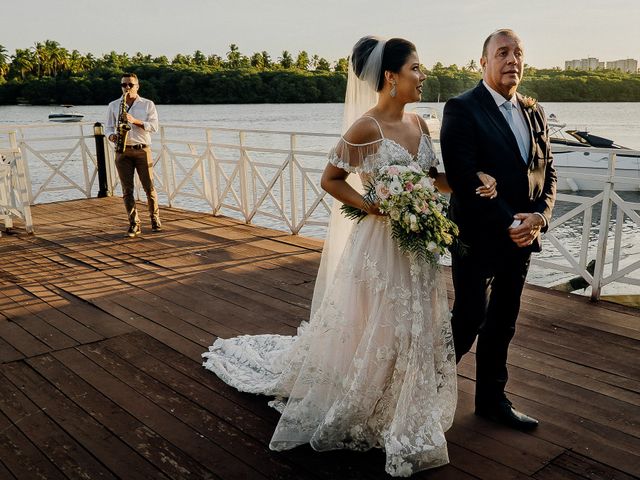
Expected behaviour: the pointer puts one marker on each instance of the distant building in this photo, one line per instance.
(582, 64)
(628, 65)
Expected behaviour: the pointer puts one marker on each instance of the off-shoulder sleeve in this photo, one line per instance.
(355, 157)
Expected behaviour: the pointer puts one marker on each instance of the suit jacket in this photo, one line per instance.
(476, 137)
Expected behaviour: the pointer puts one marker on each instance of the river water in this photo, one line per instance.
(618, 121)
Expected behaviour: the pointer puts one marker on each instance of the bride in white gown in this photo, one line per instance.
(375, 365)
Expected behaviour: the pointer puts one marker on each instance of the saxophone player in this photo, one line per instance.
(131, 120)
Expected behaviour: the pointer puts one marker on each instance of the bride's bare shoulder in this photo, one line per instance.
(363, 131)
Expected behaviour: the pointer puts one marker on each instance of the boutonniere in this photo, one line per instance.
(530, 103)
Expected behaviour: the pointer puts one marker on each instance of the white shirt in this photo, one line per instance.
(518, 119)
(521, 125)
(142, 109)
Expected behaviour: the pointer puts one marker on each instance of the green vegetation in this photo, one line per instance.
(49, 74)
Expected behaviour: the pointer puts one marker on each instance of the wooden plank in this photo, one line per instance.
(165, 335)
(63, 323)
(587, 468)
(163, 455)
(21, 458)
(36, 326)
(481, 467)
(20, 339)
(580, 376)
(201, 449)
(7, 352)
(561, 427)
(63, 451)
(100, 442)
(249, 413)
(523, 452)
(224, 434)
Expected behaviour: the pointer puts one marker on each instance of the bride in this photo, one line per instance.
(375, 365)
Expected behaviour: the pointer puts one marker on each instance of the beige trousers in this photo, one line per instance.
(128, 162)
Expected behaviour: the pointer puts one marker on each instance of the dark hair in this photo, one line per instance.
(507, 32)
(396, 52)
(130, 75)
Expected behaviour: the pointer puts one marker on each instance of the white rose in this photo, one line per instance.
(395, 187)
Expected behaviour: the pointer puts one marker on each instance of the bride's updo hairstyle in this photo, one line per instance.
(396, 52)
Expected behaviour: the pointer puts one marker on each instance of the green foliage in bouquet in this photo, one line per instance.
(415, 209)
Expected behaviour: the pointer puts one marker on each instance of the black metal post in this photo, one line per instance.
(101, 158)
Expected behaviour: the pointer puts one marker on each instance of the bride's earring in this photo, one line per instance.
(393, 91)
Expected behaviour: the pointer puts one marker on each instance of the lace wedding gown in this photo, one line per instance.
(375, 364)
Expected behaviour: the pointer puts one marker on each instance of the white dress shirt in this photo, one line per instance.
(518, 119)
(142, 109)
(521, 125)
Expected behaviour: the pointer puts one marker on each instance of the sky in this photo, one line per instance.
(446, 31)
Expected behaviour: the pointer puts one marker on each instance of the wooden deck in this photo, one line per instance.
(101, 377)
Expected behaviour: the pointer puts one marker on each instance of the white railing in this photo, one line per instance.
(272, 178)
(14, 185)
(615, 261)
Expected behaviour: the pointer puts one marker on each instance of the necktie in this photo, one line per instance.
(508, 108)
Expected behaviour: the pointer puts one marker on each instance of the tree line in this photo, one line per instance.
(47, 73)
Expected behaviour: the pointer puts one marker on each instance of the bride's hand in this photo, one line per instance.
(372, 209)
(488, 188)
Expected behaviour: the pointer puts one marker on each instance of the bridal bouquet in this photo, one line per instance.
(414, 206)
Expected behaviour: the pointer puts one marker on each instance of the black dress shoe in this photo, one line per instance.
(156, 227)
(504, 413)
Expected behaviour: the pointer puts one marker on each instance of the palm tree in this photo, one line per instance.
(57, 57)
(257, 61)
(39, 56)
(472, 66)
(323, 64)
(199, 58)
(234, 56)
(302, 61)
(4, 61)
(75, 62)
(286, 60)
(23, 61)
(266, 59)
(342, 65)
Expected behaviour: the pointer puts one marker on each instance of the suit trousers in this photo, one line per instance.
(127, 163)
(486, 306)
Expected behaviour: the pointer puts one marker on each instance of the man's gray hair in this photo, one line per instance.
(507, 32)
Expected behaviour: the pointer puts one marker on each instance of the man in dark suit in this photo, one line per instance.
(493, 129)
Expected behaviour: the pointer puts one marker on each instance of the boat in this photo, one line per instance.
(66, 115)
(571, 165)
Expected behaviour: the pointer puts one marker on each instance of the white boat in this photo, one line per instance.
(66, 115)
(572, 165)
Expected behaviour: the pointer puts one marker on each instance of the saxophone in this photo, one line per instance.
(123, 127)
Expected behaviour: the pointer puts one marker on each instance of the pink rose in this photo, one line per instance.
(382, 191)
(408, 186)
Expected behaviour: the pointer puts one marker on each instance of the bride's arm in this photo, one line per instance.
(334, 182)
(439, 180)
(350, 150)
